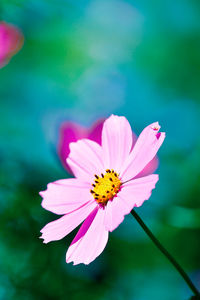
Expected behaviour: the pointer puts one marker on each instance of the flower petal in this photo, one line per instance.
(85, 159)
(136, 191)
(143, 152)
(11, 40)
(115, 211)
(59, 228)
(90, 240)
(64, 196)
(69, 132)
(133, 193)
(116, 142)
(96, 132)
(149, 168)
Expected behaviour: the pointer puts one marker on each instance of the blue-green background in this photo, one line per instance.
(83, 60)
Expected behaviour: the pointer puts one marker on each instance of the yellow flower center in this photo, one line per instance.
(105, 187)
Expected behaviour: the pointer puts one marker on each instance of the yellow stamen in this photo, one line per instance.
(105, 187)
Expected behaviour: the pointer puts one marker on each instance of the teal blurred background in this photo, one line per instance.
(83, 60)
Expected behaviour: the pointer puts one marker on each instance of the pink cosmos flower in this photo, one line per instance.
(11, 41)
(106, 187)
(72, 132)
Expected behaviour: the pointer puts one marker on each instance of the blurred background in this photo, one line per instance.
(81, 61)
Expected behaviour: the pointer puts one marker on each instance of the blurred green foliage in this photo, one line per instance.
(82, 60)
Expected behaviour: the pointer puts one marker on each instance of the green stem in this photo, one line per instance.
(167, 254)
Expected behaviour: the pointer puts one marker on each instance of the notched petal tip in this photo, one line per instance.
(78, 262)
(155, 177)
(42, 238)
(71, 145)
(42, 194)
(44, 203)
(68, 261)
(116, 117)
(159, 135)
(155, 126)
(74, 144)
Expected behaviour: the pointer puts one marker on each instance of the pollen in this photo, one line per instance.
(105, 187)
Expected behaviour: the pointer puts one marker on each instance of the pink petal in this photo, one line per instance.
(116, 142)
(56, 230)
(11, 40)
(64, 196)
(85, 159)
(115, 211)
(134, 137)
(149, 168)
(96, 132)
(136, 191)
(90, 240)
(143, 152)
(72, 132)
(132, 193)
(69, 132)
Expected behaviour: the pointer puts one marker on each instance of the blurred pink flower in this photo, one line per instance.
(105, 187)
(72, 132)
(11, 40)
